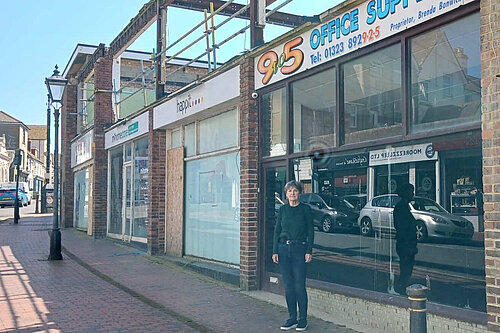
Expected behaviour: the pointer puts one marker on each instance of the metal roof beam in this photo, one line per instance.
(278, 18)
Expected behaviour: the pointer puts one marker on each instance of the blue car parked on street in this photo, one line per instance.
(8, 197)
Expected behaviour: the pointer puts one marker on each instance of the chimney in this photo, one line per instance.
(462, 58)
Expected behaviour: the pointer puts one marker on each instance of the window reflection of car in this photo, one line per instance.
(331, 212)
(433, 221)
(357, 200)
(8, 197)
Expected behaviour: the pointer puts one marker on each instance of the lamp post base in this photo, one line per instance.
(55, 245)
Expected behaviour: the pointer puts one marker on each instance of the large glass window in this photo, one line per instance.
(273, 112)
(314, 111)
(82, 199)
(140, 222)
(446, 76)
(372, 95)
(219, 132)
(352, 207)
(116, 190)
(212, 228)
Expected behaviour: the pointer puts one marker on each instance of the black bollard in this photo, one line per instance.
(417, 294)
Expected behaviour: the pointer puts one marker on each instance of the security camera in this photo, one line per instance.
(255, 95)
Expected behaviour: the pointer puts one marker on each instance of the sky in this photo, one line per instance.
(36, 35)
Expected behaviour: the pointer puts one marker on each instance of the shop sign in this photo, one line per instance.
(221, 88)
(81, 149)
(350, 161)
(128, 131)
(394, 155)
(366, 24)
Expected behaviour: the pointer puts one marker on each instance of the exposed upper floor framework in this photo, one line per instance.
(143, 79)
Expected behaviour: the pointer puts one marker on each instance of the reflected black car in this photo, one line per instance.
(331, 212)
(357, 200)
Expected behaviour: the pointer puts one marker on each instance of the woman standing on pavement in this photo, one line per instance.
(292, 249)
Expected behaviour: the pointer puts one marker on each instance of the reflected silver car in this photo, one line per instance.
(432, 219)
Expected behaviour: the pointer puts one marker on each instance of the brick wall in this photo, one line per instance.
(68, 132)
(248, 178)
(370, 316)
(490, 91)
(103, 116)
(156, 188)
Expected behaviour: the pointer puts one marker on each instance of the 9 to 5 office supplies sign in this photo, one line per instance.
(366, 24)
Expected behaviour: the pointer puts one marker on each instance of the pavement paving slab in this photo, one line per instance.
(102, 285)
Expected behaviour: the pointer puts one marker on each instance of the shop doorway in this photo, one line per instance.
(273, 181)
(389, 177)
(127, 199)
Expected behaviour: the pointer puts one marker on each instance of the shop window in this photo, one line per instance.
(219, 132)
(82, 199)
(425, 179)
(463, 188)
(273, 120)
(128, 152)
(372, 96)
(140, 212)
(116, 190)
(314, 104)
(388, 178)
(190, 139)
(446, 76)
(176, 138)
(212, 228)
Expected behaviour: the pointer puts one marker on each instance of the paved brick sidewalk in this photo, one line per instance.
(106, 286)
(37, 295)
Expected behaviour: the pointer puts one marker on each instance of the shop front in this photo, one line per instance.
(202, 126)
(82, 164)
(127, 146)
(354, 126)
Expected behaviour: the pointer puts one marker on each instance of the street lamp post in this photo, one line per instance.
(56, 85)
(47, 161)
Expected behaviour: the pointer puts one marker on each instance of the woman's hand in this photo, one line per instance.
(308, 257)
(275, 258)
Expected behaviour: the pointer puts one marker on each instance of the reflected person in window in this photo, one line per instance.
(406, 236)
(292, 249)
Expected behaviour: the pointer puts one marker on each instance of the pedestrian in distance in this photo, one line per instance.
(292, 249)
(406, 237)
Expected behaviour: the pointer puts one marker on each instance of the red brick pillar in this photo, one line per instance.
(249, 130)
(103, 116)
(490, 99)
(68, 132)
(156, 191)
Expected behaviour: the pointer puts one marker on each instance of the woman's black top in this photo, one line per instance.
(404, 223)
(295, 224)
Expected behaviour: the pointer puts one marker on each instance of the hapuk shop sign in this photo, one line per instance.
(217, 90)
(366, 24)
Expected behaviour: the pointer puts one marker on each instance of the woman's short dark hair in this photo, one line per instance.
(293, 183)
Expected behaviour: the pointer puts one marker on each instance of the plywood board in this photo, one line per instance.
(175, 202)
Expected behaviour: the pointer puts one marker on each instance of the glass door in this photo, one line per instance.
(127, 199)
(274, 179)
